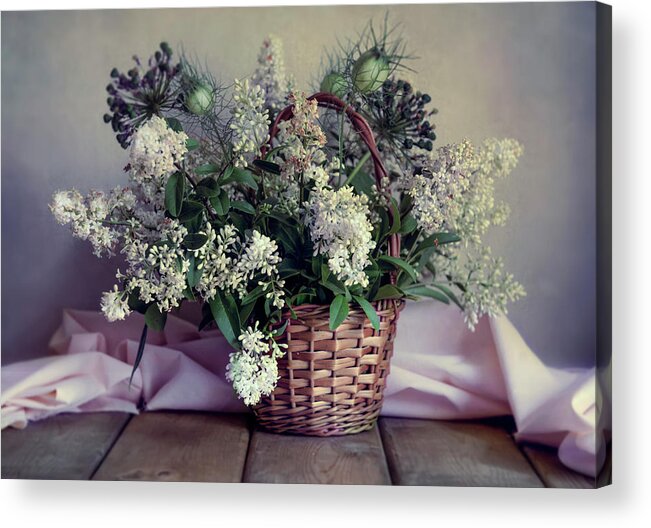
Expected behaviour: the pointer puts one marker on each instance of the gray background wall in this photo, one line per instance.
(520, 70)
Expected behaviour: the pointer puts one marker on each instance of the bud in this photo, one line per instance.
(200, 100)
(370, 71)
(335, 84)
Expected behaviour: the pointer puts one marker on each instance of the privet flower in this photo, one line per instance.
(229, 265)
(469, 210)
(157, 270)
(270, 74)
(486, 287)
(250, 121)
(253, 370)
(340, 229)
(155, 150)
(302, 141)
(94, 217)
(115, 305)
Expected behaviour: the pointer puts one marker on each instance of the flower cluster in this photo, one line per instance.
(95, 217)
(486, 289)
(228, 265)
(301, 137)
(270, 74)
(250, 121)
(339, 226)
(437, 186)
(253, 370)
(474, 210)
(155, 151)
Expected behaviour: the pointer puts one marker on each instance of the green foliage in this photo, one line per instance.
(338, 311)
(369, 311)
(174, 192)
(154, 318)
(227, 316)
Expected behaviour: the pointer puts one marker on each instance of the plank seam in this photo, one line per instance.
(530, 462)
(111, 446)
(380, 426)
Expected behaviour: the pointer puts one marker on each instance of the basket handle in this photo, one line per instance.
(360, 125)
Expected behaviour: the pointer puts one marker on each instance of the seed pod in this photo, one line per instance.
(370, 71)
(335, 84)
(199, 101)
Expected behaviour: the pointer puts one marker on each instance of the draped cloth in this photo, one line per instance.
(440, 370)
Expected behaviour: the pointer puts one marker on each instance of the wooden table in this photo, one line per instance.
(205, 447)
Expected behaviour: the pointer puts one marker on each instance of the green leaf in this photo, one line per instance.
(408, 226)
(174, 124)
(395, 227)
(194, 274)
(449, 293)
(281, 329)
(174, 191)
(224, 311)
(267, 166)
(245, 312)
(338, 311)
(388, 291)
(242, 176)
(195, 241)
(208, 187)
(154, 318)
(363, 183)
(135, 303)
(191, 144)
(190, 211)
(424, 291)
(369, 311)
(221, 203)
(433, 241)
(141, 349)
(334, 285)
(243, 206)
(254, 294)
(208, 168)
(400, 264)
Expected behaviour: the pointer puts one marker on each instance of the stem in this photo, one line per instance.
(358, 168)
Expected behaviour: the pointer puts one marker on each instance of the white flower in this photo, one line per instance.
(115, 304)
(254, 369)
(95, 217)
(155, 149)
(340, 228)
(487, 288)
(270, 74)
(157, 269)
(229, 265)
(467, 175)
(250, 121)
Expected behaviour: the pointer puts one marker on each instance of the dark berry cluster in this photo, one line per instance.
(145, 90)
(399, 116)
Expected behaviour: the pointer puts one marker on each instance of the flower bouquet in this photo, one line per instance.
(301, 224)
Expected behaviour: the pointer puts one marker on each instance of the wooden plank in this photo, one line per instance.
(552, 472)
(179, 447)
(286, 459)
(63, 447)
(438, 453)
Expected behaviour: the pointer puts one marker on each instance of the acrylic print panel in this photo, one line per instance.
(370, 240)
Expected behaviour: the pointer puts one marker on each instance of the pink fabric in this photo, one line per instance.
(439, 370)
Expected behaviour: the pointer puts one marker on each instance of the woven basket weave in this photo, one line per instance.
(332, 382)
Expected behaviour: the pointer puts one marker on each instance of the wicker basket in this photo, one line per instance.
(332, 382)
